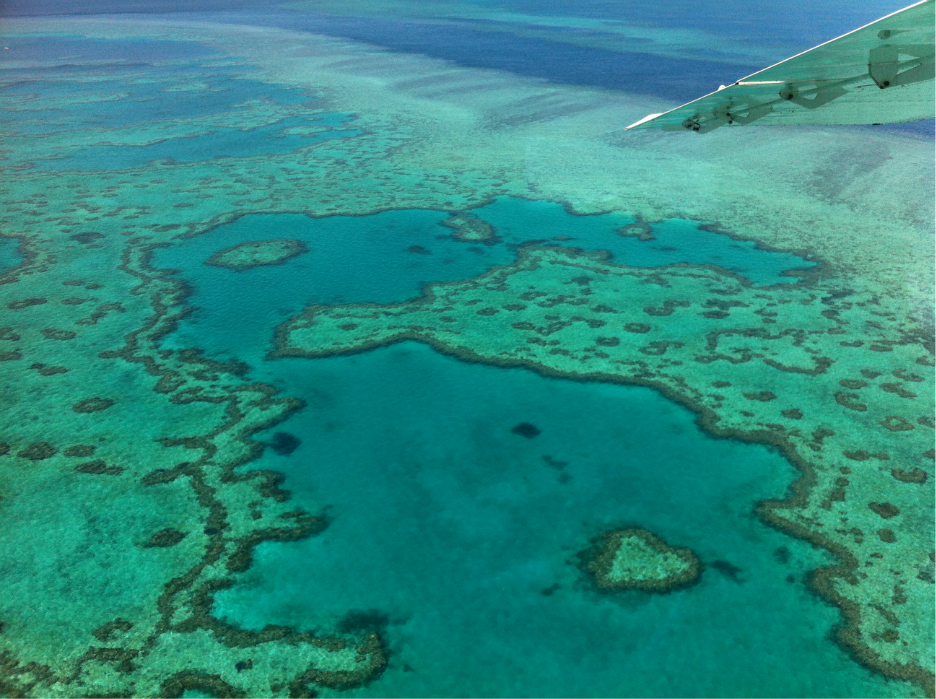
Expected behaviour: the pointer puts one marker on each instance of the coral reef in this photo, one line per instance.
(260, 253)
(470, 229)
(846, 352)
(769, 382)
(635, 559)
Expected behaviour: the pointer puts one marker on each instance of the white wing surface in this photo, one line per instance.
(882, 73)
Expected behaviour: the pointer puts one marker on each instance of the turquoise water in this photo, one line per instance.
(10, 255)
(124, 95)
(459, 536)
(147, 93)
(371, 259)
(453, 535)
(222, 143)
(462, 534)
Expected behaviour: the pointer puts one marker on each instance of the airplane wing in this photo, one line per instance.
(882, 73)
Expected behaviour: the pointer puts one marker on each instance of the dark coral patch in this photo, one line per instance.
(418, 250)
(526, 429)
(899, 390)
(56, 334)
(729, 570)
(792, 414)
(763, 396)
(26, 303)
(853, 383)
(92, 405)
(887, 536)
(907, 376)
(46, 370)
(80, 450)
(11, 356)
(915, 475)
(164, 539)
(38, 451)
(86, 238)
(107, 631)
(896, 423)
(607, 341)
(847, 400)
(884, 509)
(363, 621)
(637, 328)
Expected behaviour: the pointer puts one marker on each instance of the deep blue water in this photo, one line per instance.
(670, 78)
(779, 23)
(371, 259)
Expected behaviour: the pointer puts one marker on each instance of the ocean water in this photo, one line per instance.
(137, 84)
(223, 143)
(451, 533)
(10, 255)
(460, 536)
(389, 257)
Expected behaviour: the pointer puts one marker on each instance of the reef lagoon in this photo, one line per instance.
(354, 349)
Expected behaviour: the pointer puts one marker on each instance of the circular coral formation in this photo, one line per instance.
(469, 228)
(635, 559)
(640, 229)
(257, 253)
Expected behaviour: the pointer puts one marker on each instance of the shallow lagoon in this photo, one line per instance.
(457, 526)
(388, 257)
(461, 536)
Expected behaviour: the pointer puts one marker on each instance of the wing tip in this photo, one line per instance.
(649, 117)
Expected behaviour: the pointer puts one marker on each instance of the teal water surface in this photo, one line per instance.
(457, 538)
(225, 142)
(389, 257)
(10, 255)
(176, 84)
